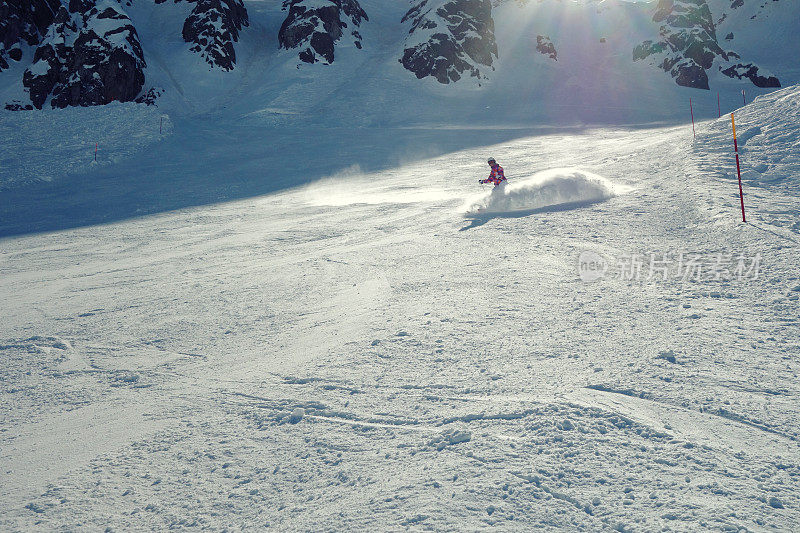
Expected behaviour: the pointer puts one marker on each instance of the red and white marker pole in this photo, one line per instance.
(738, 169)
(744, 99)
(95, 151)
(692, 113)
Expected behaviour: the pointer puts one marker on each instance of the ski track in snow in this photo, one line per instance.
(341, 356)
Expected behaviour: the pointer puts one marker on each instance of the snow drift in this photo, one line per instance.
(769, 141)
(553, 187)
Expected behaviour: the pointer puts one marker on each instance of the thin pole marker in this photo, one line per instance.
(738, 169)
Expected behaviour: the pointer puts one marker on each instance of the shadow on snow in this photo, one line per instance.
(479, 219)
(205, 163)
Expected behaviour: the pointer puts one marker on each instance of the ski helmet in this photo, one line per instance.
(491, 160)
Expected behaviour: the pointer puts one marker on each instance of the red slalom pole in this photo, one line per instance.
(692, 113)
(738, 170)
(719, 109)
(95, 151)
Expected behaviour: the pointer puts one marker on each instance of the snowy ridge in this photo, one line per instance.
(768, 133)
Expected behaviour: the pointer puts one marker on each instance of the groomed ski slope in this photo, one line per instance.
(357, 354)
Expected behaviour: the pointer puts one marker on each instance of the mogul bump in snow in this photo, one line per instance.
(497, 176)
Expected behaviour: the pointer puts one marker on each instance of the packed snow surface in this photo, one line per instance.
(241, 328)
(555, 187)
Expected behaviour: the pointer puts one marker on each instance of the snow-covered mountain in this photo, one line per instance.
(688, 45)
(447, 38)
(91, 55)
(91, 52)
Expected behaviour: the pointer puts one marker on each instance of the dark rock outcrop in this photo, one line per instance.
(150, 96)
(23, 21)
(688, 41)
(212, 28)
(315, 27)
(16, 105)
(750, 72)
(688, 46)
(545, 47)
(90, 56)
(448, 38)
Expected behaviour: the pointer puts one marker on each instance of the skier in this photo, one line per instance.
(497, 176)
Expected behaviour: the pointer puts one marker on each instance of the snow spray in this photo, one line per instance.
(738, 170)
(549, 188)
(692, 113)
